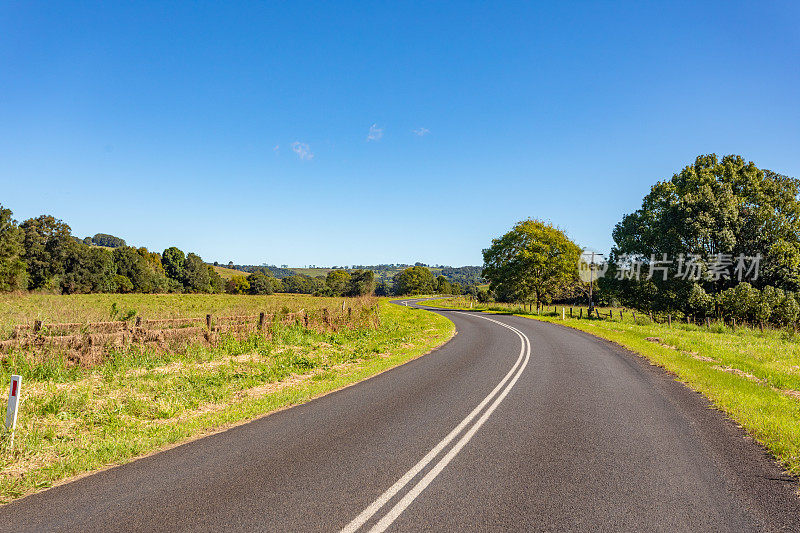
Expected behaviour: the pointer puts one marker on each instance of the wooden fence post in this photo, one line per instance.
(708, 322)
(306, 319)
(580, 317)
(261, 319)
(669, 320)
(733, 323)
(138, 321)
(208, 322)
(597, 313)
(37, 326)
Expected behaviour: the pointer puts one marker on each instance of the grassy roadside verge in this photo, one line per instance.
(75, 420)
(753, 376)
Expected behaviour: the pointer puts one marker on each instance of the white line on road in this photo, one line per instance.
(391, 516)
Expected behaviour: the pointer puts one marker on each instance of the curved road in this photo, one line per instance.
(513, 425)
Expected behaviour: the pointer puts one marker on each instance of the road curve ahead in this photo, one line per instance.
(513, 425)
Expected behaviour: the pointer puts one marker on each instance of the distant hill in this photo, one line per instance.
(227, 273)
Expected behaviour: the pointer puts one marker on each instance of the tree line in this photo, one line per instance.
(41, 254)
(336, 283)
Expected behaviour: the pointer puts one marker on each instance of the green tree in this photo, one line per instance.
(237, 285)
(442, 285)
(216, 281)
(337, 282)
(712, 206)
(131, 264)
(260, 283)
(362, 283)
(87, 269)
(414, 281)
(534, 262)
(174, 262)
(13, 275)
(109, 241)
(196, 275)
(46, 243)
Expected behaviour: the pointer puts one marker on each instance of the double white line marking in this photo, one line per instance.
(502, 388)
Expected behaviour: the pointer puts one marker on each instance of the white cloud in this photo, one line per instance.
(302, 150)
(277, 149)
(421, 132)
(375, 133)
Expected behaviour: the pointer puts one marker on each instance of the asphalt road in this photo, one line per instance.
(513, 425)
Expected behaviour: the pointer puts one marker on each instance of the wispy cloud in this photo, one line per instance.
(302, 150)
(277, 149)
(375, 133)
(421, 132)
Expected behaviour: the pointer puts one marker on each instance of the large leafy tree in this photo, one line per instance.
(174, 263)
(414, 281)
(534, 262)
(197, 277)
(362, 282)
(13, 275)
(88, 269)
(713, 206)
(47, 242)
(337, 282)
(260, 283)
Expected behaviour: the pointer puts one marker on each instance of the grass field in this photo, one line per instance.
(17, 308)
(76, 419)
(752, 376)
(227, 273)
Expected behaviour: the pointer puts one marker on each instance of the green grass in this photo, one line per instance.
(227, 273)
(74, 419)
(753, 377)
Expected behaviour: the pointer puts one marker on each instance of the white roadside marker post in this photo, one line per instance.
(13, 406)
(562, 314)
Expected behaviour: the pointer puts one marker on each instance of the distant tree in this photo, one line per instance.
(109, 241)
(131, 264)
(46, 244)
(88, 269)
(237, 285)
(260, 283)
(362, 283)
(337, 282)
(174, 262)
(533, 262)
(196, 275)
(13, 275)
(414, 281)
(443, 286)
(382, 289)
(216, 281)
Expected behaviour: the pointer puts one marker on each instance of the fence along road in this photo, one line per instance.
(514, 424)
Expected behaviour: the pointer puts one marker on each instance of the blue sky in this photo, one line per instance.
(337, 133)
